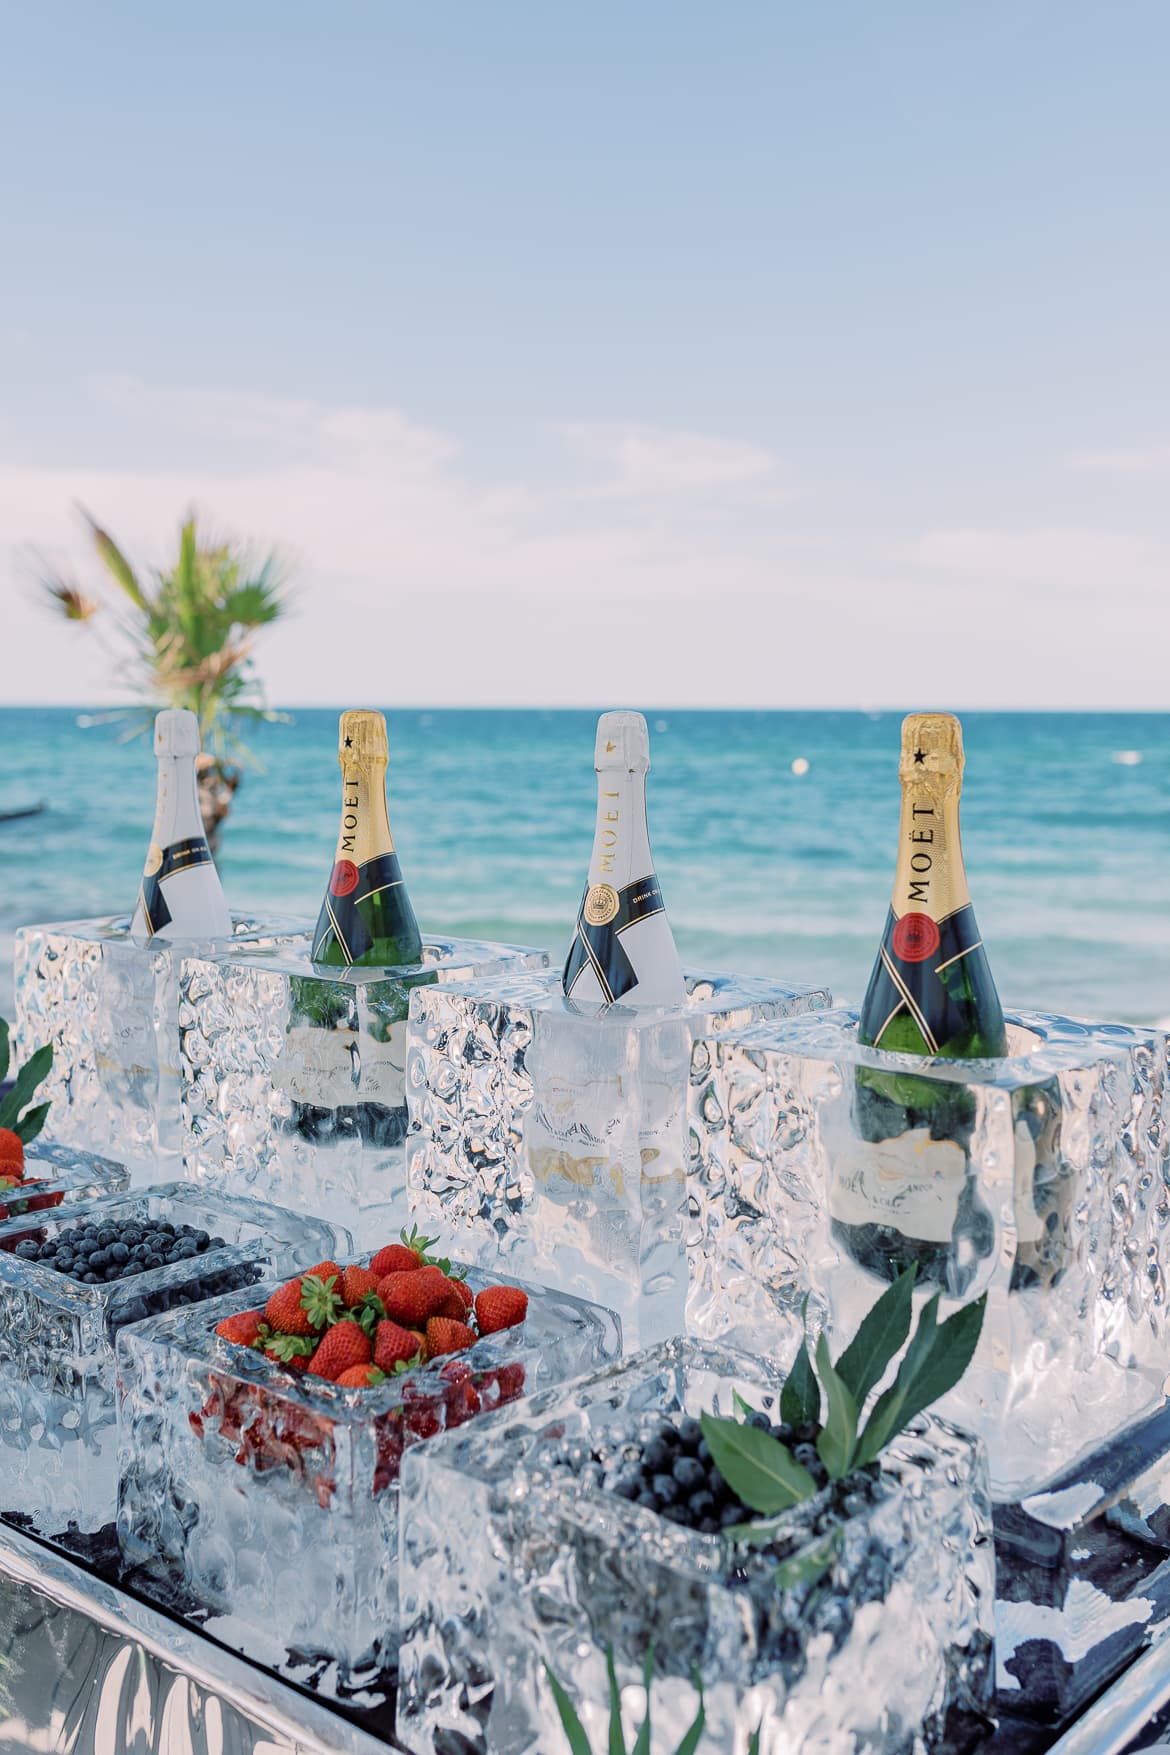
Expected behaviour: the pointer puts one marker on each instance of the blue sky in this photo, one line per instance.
(770, 354)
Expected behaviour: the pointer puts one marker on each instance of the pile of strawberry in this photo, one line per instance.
(357, 1326)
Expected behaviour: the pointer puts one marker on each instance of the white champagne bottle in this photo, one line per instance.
(180, 895)
(623, 949)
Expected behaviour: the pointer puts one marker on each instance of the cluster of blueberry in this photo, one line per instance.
(676, 1476)
(94, 1253)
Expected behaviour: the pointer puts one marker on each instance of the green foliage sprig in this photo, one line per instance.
(26, 1125)
(762, 1470)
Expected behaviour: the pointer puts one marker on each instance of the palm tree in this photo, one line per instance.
(185, 639)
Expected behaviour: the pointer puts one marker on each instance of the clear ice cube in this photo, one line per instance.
(58, 1443)
(273, 1498)
(110, 1007)
(517, 1552)
(293, 1076)
(57, 1175)
(550, 1139)
(821, 1167)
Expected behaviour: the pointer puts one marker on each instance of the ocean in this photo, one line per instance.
(1066, 829)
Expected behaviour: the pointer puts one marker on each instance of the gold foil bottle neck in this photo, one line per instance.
(361, 737)
(932, 751)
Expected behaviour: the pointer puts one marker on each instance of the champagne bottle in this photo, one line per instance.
(623, 948)
(366, 917)
(180, 895)
(904, 1192)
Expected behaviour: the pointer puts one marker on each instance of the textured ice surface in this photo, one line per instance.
(293, 1078)
(1051, 1193)
(550, 1139)
(57, 1175)
(274, 1498)
(513, 1556)
(1084, 1571)
(110, 1008)
(58, 1445)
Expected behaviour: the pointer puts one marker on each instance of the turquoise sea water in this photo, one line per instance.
(1066, 822)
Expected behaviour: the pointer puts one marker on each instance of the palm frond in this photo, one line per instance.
(70, 600)
(115, 562)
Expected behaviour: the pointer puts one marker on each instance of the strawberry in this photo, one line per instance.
(394, 1346)
(466, 1295)
(500, 1307)
(404, 1257)
(324, 1270)
(396, 1258)
(344, 1345)
(356, 1282)
(361, 1377)
(411, 1297)
(243, 1329)
(453, 1306)
(284, 1312)
(446, 1336)
(502, 1384)
(11, 1154)
(421, 1338)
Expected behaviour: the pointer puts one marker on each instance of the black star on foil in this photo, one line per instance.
(920, 755)
(349, 743)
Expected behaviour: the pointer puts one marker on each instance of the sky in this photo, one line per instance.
(771, 355)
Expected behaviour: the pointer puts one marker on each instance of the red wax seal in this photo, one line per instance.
(345, 879)
(915, 938)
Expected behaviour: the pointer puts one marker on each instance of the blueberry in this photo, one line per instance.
(113, 1271)
(656, 1457)
(690, 1434)
(201, 1240)
(90, 1279)
(806, 1455)
(703, 1452)
(187, 1251)
(645, 1496)
(676, 1513)
(807, 1433)
(119, 1252)
(99, 1260)
(628, 1487)
(106, 1236)
(733, 1513)
(665, 1488)
(140, 1252)
(689, 1472)
(784, 1433)
(702, 1504)
(760, 1421)
(707, 1525)
(28, 1249)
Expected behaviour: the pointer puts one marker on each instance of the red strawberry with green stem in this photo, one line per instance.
(344, 1345)
(500, 1307)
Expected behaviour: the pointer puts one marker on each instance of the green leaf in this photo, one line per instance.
(739, 1406)
(31, 1122)
(571, 1725)
(800, 1401)
(881, 1335)
(811, 1563)
(4, 1050)
(642, 1741)
(617, 1742)
(936, 1358)
(756, 1466)
(27, 1079)
(838, 1442)
(115, 563)
(694, 1736)
(753, 1747)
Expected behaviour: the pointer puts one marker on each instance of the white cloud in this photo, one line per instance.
(654, 461)
(1152, 460)
(1070, 558)
(422, 582)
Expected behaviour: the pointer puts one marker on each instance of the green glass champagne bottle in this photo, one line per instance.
(366, 918)
(903, 1192)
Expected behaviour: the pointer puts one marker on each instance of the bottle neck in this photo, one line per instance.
(621, 841)
(365, 823)
(176, 806)
(930, 876)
